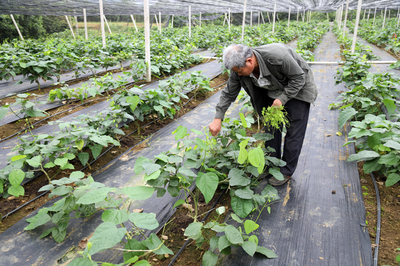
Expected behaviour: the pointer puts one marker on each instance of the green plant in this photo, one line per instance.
(275, 117)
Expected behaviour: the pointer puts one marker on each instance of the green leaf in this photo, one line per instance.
(115, 216)
(390, 105)
(371, 166)
(254, 238)
(236, 218)
(16, 177)
(374, 140)
(96, 150)
(214, 242)
(76, 175)
(61, 161)
(233, 235)
(150, 168)
(178, 203)
(194, 230)
(202, 144)
(142, 263)
(389, 159)
(257, 159)
(180, 132)
(79, 144)
(392, 179)
(186, 172)
(223, 242)
(153, 242)
(133, 244)
(83, 157)
(243, 154)
(134, 101)
(266, 252)
(38, 69)
(38, 220)
(138, 192)
(35, 161)
(154, 175)
(138, 168)
(94, 196)
(392, 144)
(3, 112)
(58, 234)
(244, 193)
(209, 259)
(276, 173)
(345, 115)
(46, 233)
(363, 156)
(207, 183)
(238, 178)
(59, 60)
(250, 247)
(49, 165)
(106, 236)
(243, 119)
(16, 191)
(17, 157)
(241, 207)
(144, 220)
(250, 226)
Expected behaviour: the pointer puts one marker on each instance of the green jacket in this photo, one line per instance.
(288, 73)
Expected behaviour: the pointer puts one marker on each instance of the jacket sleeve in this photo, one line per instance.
(228, 95)
(296, 78)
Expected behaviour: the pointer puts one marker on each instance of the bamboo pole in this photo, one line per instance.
(384, 18)
(229, 22)
(85, 23)
(159, 20)
(134, 23)
(251, 18)
(103, 33)
(105, 19)
(273, 19)
(190, 21)
(16, 26)
(147, 38)
(345, 18)
(288, 22)
(297, 14)
(373, 24)
(353, 46)
(244, 18)
(70, 27)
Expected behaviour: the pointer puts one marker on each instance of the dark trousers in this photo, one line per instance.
(298, 112)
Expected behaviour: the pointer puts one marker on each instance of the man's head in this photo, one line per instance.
(240, 59)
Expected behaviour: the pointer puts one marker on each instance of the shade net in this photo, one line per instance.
(180, 7)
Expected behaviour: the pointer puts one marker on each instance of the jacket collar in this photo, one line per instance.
(263, 67)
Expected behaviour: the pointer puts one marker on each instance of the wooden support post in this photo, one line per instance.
(262, 18)
(345, 18)
(251, 18)
(190, 21)
(223, 24)
(156, 19)
(85, 23)
(244, 18)
(172, 22)
(229, 20)
(103, 33)
(303, 15)
(147, 39)
(398, 18)
(105, 19)
(273, 19)
(70, 27)
(288, 22)
(364, 14)
(259, 14)
(384, 18)
(159, 20)
(373, 24)
(134, 23)
(369, 12)
(16, 26)
(76, 25)
(353, 46)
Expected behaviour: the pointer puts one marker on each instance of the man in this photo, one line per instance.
(272, 75)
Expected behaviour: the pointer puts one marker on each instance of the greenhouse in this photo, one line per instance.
(129, 135)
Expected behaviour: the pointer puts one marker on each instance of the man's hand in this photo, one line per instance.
(215, 127)
(277, 102)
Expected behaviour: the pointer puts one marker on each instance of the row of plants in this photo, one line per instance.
(230, 161)
(310, 38)
(386, 37)
(87, 135)
(371, 104)
(47, 59)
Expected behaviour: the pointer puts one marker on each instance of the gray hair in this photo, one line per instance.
(235, 55)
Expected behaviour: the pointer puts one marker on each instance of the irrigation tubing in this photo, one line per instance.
(189, 240)
(378, 221)
(102, 154)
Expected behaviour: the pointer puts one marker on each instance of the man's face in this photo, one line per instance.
(246, 70)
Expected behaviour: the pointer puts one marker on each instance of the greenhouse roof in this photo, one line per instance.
(179, 7)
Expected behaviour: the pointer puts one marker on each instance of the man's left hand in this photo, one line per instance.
(277, 102)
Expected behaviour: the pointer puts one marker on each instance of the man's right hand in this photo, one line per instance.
(215, 127)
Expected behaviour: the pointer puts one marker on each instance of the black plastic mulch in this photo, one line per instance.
(321, 215)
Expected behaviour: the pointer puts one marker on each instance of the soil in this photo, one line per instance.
(8, 205)
(390, 216)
